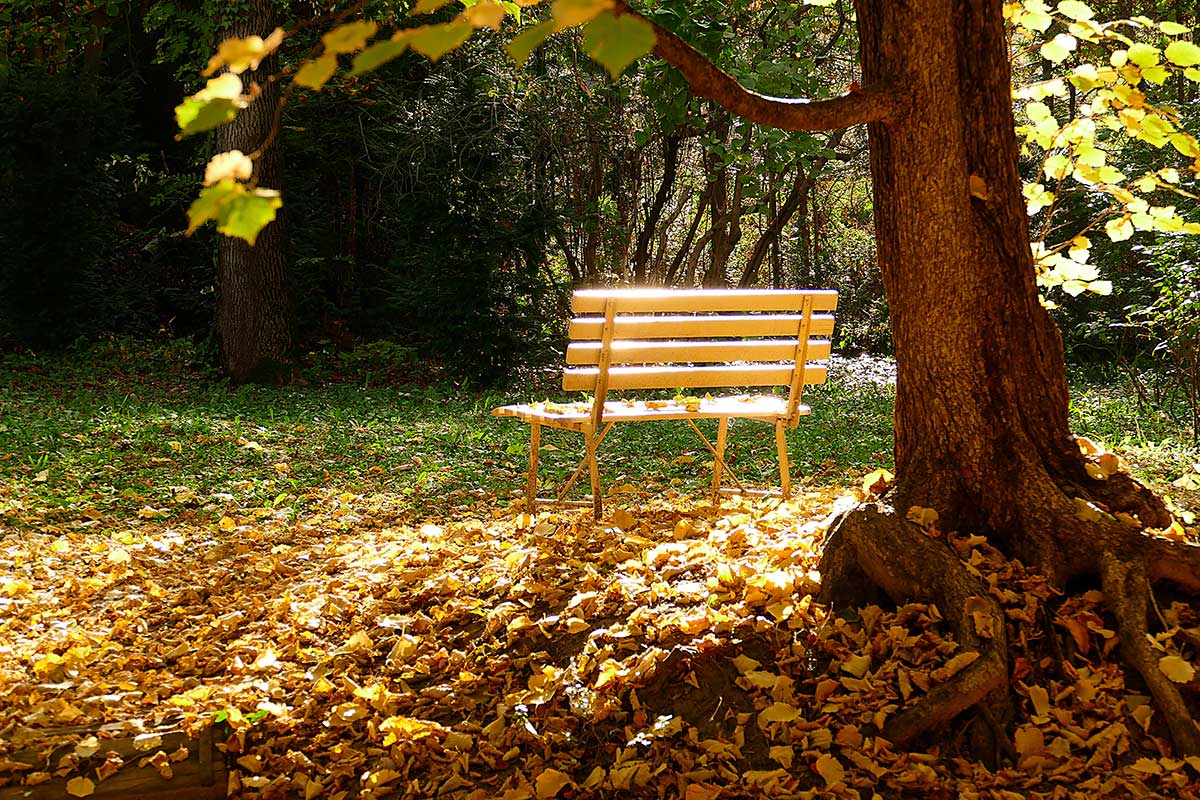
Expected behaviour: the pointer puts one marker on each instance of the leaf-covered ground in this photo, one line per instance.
(349, 626)
(673, 652)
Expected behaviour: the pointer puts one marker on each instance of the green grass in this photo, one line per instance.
(123, 427)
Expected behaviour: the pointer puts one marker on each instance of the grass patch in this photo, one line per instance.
(126, 428)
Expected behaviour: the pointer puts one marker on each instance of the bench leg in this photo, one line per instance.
(785, 474)
(535, 441)
(719, 455)
(591, 442)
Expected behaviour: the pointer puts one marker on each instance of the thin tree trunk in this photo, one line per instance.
(254, 302)
(641, 255)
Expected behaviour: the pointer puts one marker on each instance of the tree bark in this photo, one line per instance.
(254, 302)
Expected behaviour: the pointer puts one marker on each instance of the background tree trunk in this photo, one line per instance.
(254, 303)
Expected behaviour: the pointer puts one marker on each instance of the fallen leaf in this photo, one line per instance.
(1176, 669)
(829, 768)
(80, 787)
(550, 782)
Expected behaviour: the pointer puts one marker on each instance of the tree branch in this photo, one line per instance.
(706, 80)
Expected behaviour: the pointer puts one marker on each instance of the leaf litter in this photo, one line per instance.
(679, 654)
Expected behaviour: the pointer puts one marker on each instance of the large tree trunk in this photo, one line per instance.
(254, 303)
(981, 431)
(981, 428)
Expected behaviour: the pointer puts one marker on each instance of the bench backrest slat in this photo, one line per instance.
(696, 326)
(633, 301)
(710, 351)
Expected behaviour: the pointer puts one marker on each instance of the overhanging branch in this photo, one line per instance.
(873, 104)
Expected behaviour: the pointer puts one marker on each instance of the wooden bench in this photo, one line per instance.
(686, 340)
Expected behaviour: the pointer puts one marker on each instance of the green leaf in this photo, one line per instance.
(569, 13)
(528, 40)
(1173, 28)
(316, 73)
(207, 206)
(1185, 54)
(195, 116)
(238, 211)
(434, 41)
(377, 55)
(1073, 9)
(246, 214)
(349, 37)
(616, 42)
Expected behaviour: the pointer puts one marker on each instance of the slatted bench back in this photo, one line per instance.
(698, 339)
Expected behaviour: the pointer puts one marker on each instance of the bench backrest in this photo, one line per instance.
(698, 339)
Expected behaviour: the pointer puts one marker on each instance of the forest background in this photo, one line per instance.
(441, 212)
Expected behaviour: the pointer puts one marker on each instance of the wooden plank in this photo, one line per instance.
(695, 352)
(765, 408)
(201, 776)
(684, 327)
(580, 379)
(667, 300)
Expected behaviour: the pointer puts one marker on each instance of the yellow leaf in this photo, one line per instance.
(485, 14)
(358, 643)
(1176, 669)
(226, 524)
(550, 782)
(349, 37)
(857, 665)
(568, 13)
(1073, 9)
(784, 754)
(80, 787)
(829, 768)
(1040, 699)
(1059, 48)
(239, 55)
(1119, 230)
(15, 588)
(624, 520)
(316, 73)
(266, 660)
(745, 663)
(119, 556)
(777, 712)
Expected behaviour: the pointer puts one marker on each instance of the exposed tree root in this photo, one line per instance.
(873, 547)
(1127, 591)
(898, 557)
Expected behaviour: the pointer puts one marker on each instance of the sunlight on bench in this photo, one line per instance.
(685, 340)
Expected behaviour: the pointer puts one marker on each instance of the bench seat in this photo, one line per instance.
(572, 416)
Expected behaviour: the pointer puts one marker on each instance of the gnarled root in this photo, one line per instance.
(873, 542)
(1126, 590)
